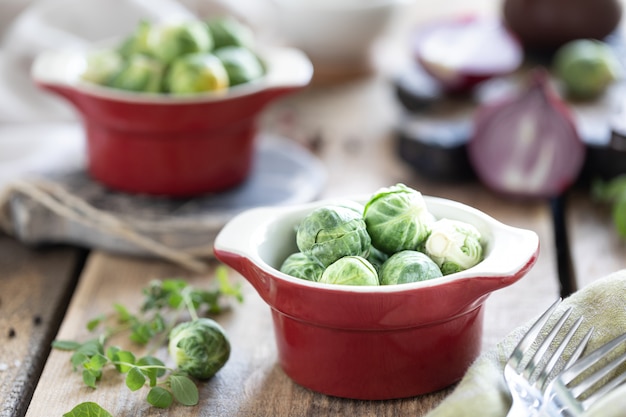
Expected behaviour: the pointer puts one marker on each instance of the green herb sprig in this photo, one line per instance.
(613, 192)
(163, 306)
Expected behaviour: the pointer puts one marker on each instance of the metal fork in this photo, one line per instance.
(527, 371)
(567, 395)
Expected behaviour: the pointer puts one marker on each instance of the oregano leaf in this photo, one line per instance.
(141, 334)
(65, 345)
(96, 362)
(175, 300)
(112, 351)
(124, 360)
(123, 315)
(78, 359)
(91, 347)
(151, 364)
(89, 378)
(135, 379)
(184, 390)
(88, 409)
(94, 323)
(159, 397)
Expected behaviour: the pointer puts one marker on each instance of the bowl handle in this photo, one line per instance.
(235, 236)
(240, 241)
(513, 252)
(58, 68)
(287, 67)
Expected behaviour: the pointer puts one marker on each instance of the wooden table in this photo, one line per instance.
(48, 293)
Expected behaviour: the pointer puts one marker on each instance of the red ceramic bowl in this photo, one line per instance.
(374, 343)
(173, 146)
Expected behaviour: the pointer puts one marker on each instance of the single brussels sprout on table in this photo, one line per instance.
(242, 65)
(397, 219)
(141, 73)
(228, 31)
(332, 232)
(167, 42)
(301, 266)
(350, 270)
(586, 67)
(408, 266)
(103, 66)
(199, 347)
(194, 73)
(454, 245)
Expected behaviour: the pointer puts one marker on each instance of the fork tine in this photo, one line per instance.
(535, 360)
(601, 373)
(531, 335)
(583, 364)
(558, 353)
(598, 375)
(580, 348)
(614, 383)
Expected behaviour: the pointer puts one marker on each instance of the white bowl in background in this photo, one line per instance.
(335, 34)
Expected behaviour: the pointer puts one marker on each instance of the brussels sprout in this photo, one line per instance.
(586, 67)
(301, 266)
(199, 347)
(397, 219)
(241, 64)
(408, 266)
(332, 232)
(454, 245)
(228, 31)
(102, 66)
(141, 73)
(377, 257)
(137, 42)
(169, 41)
(350, 270)
(195, 73)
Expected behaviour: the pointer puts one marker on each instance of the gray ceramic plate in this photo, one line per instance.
(95, 217)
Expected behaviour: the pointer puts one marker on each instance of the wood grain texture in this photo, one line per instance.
(251, 384)
(35, 287)
(350, 126)
(359, 155)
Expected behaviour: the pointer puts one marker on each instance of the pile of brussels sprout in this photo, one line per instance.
(179, 58)
(392, 239)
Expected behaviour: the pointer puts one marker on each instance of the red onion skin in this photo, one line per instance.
(547, 24)
(465, 79)
(527, 145)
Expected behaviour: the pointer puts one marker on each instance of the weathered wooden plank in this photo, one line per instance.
(251, 383)
(35, 287)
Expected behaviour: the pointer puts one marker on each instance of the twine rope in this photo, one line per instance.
(63, 203)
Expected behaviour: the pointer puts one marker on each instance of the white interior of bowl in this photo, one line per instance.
(266, 236)
(286, 67)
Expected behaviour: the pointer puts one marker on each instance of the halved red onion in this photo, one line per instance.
(465, 51)
(527, 145)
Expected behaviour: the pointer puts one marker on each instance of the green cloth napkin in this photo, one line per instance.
(483, 391)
